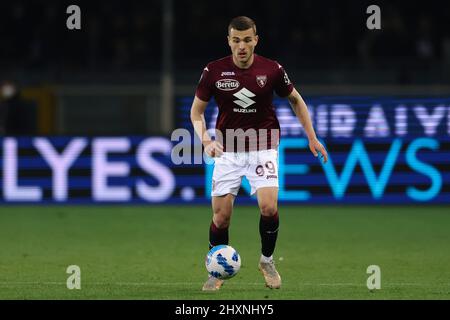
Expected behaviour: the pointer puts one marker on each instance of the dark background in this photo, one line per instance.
(110, 76)
(326, 41)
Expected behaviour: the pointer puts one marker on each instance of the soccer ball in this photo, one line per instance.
(223, 262)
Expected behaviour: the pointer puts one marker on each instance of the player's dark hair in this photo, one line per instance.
(242, 23)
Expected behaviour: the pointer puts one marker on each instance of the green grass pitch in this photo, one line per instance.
(149, 252)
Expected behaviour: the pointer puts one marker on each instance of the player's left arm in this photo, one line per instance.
(301, 111)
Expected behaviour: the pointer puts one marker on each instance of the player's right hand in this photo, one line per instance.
(213, 148)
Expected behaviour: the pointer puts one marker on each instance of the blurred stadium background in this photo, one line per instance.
(112, 93)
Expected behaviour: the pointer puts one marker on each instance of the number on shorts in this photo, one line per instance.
(260, 170)
(269, 165)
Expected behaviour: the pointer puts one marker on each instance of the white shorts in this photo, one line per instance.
(260, 168)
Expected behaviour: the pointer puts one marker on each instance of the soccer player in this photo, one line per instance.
(247, 137)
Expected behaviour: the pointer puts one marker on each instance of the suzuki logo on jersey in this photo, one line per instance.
(227, 84)
(261, 80)
(244, 101)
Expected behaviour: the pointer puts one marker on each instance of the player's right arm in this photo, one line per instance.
(212, 148)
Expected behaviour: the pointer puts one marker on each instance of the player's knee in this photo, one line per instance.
(221, 218)
(222, 222)
(268, 209)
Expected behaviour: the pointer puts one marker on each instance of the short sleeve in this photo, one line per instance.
(204, 89)
(283, 85)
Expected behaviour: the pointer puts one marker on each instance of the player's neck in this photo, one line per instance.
(246, 65)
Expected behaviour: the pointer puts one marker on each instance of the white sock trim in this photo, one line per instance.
(266, 259)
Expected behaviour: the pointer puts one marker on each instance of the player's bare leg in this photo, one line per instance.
(267, 201)
(222, 209)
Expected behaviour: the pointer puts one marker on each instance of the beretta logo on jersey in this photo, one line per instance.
(261, 80)
(227, 84)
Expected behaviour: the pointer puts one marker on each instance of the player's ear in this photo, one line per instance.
(256, 39)
(229, 40)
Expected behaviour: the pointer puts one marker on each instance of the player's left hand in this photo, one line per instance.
(316, 147)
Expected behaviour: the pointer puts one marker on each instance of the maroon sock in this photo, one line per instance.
(268, 229)
(217, 235)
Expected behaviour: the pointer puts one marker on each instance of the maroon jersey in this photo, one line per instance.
(244, 98)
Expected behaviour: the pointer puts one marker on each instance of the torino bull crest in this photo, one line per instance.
(261, 80)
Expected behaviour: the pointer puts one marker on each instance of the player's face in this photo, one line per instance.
(242, 44)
